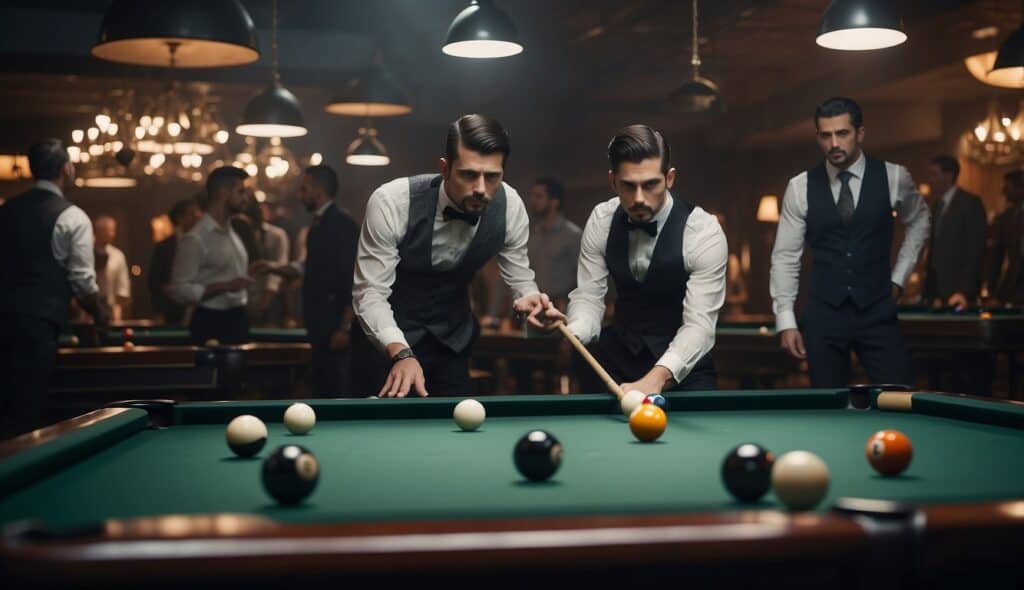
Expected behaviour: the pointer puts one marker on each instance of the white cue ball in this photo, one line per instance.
(631, 401)
(800, 479)
(246, 435)
(299, 418)
(469, 414)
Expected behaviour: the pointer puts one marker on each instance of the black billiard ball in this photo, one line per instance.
(537, 455)
(290, 474)
(747, 472)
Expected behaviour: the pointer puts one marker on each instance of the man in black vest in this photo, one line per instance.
(844, 209)
(957, 245)
(668, 259)
(327, 280)
(422, 241)
(46, 257)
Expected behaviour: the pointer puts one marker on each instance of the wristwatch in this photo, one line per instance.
(405, 353)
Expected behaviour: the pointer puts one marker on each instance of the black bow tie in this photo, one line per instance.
(453, 213)
(648, 227)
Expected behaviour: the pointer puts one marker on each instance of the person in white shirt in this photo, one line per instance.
(211, 267)
(845, 209)
(111, 267)
(46, 258)
(422, 240)
(667, 258)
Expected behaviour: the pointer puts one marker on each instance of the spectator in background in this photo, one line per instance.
(957, 244)
(111, 268)
(184, 215)
(271, 244)
(1006, 273)
(554, 246)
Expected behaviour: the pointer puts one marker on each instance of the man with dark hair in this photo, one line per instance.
(184, 215)
(957, 244)
(422, 241)
(843, 208)
(327, 280)
(210, 268)
(554, 245)
(1006, 273)
(667, 258)
(46, 257)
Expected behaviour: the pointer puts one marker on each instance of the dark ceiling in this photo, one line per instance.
(589, 65)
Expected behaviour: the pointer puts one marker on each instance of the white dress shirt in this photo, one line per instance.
(71, 244)
(705, 257)
(114, 281)
(385, 225)
(275, 249)
(789, 240)
(208, 253)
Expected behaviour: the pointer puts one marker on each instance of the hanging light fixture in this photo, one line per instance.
(697, 94)
(1009, 65)
(860, 25)
(991, 142)
(275, 112)
(768, 209)
(375, 94)
(482, 31)
(367, 150)
(211, 33)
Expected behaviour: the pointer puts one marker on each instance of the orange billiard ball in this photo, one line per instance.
(129, 345)
(129, 333)
(889, 451)
(647, 422)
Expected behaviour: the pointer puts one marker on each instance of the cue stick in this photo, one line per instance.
(608, 381)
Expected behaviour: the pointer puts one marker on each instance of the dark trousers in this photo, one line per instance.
(228, 326)
(331, 371)
(873, 333)
(446, 372)
(28, 351)
(625, 366)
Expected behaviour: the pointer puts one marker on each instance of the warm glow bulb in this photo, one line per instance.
(157, 160)
(174, 129)
(102, 120)
(93, 133)
(77, 135)
(112, 129)
(145, 121)
(980, 132)
(316, 159)
(221, 136)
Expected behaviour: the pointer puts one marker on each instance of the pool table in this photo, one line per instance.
(84, 376)
(157, 335)
(150, 493)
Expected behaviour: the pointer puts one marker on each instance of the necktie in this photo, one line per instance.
(845, 204)
(453, 213)
(648, 227)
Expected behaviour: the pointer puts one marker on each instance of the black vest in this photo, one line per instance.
(427, 300)
(850, 260)
(648, 314)
(32, 282)
(327, 281)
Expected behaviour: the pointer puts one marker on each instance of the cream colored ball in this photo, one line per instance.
(631, 401)
(800, 479)
(299, 418)
(469, 414)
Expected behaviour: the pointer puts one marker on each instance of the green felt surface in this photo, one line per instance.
(378, 463)
(161, 336)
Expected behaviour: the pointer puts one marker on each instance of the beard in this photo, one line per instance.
(474, 203)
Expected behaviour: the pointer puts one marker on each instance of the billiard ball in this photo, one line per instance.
(128, 345)
(647, 422)
(985, 315)
(762, 330)
(630, 401)
(537, 455)
(74, 341)
(800, 479)
(889, 451)
(658, 400)
(747, 472)
(469, 414)
(212, 343)
(290, 474)
(128, 333)
(299, 418)
(246, 435)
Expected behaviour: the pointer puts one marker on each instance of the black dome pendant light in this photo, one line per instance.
(275, 112)
(698, 94)
(207, 33)
(861, 25)
(482, 31)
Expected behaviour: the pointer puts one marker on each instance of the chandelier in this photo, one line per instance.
(996, 140)
(176, 130)
(101, 152)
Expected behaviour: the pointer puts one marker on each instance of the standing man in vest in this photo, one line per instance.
(844, 210)
(422, 240)
(668, 259)
(326, 271)
(46, 256)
